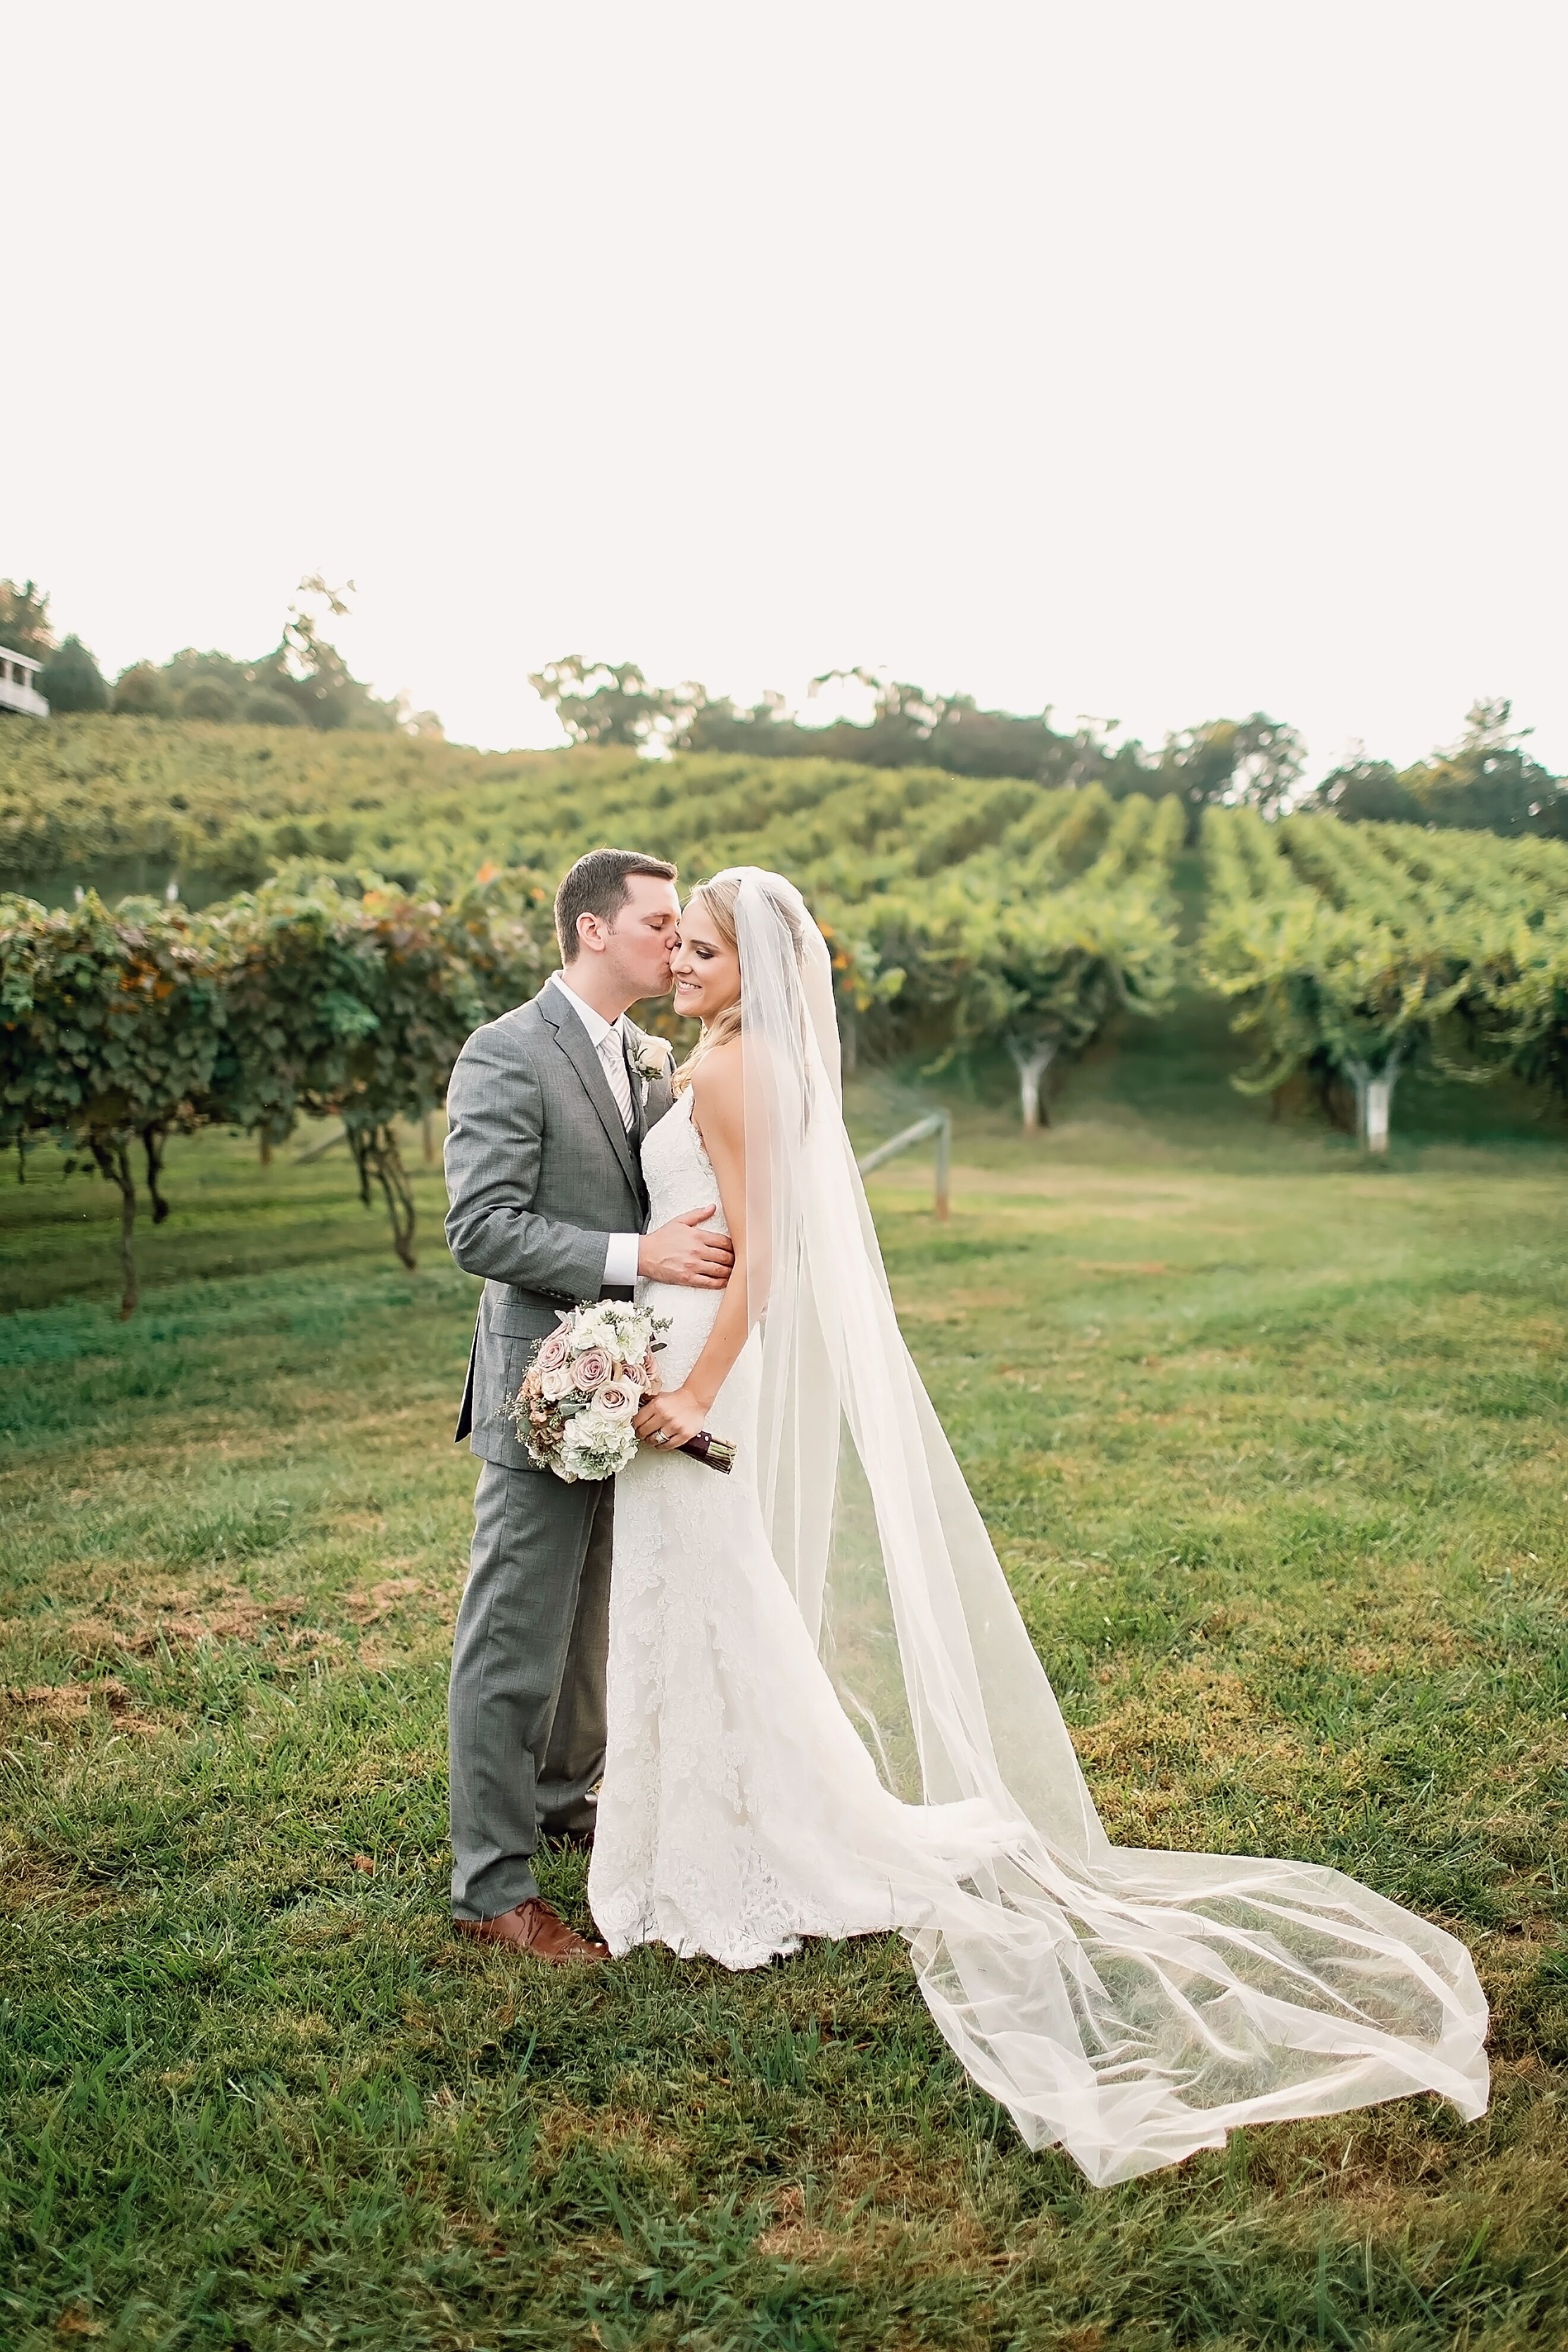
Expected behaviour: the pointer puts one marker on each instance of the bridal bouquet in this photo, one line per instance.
(586, 1384)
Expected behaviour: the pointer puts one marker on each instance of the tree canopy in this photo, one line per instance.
(71, 680)
(602, 702)
(303, 681)
(1486, 783)
(24, 620)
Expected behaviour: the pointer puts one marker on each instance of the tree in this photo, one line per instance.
(303, 681)
(24, 620)
(357, 1008)
(140, 692)
(110, 1027)
(1035, 954)
(264, 706)
(210, 697)
(309, 673)
(909, 727)
(610, 702)
(1254, 762)
(1486, 783)
(1369, 792)
(71, 680)
(1349, 954)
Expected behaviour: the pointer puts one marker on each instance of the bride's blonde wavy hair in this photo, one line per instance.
(719, 897)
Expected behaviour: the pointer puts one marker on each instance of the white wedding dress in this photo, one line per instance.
(826, 1717)
(740, 1810)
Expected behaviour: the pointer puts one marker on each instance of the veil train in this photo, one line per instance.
(1131, 2005)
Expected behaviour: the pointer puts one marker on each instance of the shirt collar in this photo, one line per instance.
(597, 1026)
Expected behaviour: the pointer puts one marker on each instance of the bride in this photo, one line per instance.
(826, 1717)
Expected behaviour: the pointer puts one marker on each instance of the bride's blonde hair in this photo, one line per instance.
(719, 897)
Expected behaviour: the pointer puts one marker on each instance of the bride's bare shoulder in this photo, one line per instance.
(717, 1089)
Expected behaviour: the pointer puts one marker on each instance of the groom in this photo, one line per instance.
(547, 1107)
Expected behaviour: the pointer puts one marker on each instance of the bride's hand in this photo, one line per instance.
(669, 1421)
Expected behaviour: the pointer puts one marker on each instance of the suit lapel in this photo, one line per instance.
(575, 1042)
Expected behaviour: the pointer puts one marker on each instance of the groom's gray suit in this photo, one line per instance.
(540, 1167)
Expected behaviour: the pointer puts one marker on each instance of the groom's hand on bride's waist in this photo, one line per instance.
(684, 1252)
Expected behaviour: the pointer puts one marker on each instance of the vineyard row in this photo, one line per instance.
(1359, 952)
(120, 1028)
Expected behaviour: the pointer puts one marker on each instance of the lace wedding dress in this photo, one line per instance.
(740, 1810)
(826, 1716)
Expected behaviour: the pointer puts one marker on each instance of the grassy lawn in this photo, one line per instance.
(1274, 1450)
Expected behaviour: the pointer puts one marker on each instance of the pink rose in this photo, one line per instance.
(592, 1369)
(616, 1401)
(551, 1353)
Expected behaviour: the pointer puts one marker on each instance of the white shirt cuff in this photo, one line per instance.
(621, 1260)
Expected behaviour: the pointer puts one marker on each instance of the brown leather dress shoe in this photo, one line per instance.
(535, 1929)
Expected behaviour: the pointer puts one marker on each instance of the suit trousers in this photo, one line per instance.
(526, 1705)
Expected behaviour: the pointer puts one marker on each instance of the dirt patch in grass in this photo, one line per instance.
(68, 1707)
(1152, 1266)
(383, 1600)
(181, 1614)
(952, 1306)
(1197, 1712)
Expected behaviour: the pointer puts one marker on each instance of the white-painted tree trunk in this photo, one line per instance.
(1373, 1102)
(1379, 1096)
(1032, 1060)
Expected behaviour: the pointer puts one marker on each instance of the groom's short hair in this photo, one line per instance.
(599, 884)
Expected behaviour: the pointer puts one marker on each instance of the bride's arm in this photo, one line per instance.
(717, 1113)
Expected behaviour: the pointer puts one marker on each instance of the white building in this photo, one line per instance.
(19, 685)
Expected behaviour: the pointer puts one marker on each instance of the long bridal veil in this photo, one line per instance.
(1131, 2005)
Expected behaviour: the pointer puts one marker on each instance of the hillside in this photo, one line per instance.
(127, 804)
(124, 804)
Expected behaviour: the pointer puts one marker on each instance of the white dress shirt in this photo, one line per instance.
(608, 1039)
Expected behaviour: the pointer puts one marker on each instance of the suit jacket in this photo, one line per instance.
(540, 1167)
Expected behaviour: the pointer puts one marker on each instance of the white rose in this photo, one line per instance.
(556, 1385)
(655, 1056)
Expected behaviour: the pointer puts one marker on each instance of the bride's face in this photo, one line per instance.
(706, 972)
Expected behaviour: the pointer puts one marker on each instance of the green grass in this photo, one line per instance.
(1274, 1450)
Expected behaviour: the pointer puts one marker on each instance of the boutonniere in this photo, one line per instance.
(653, 1057)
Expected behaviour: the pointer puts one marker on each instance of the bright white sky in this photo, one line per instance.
(1155, 359)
